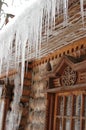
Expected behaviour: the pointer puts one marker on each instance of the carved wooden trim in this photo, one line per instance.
(10, 73)
(75, 76)
(68, 77)
(70, 49)
(82, 77)
(68, 88)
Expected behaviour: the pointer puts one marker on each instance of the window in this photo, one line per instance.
(70, 111)
(66, 94)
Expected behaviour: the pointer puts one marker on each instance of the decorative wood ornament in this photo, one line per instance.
(68, 77)
(48, 66)
(66, 95)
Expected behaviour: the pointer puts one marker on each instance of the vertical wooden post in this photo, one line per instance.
(51, 112)
(63, 119)
(81, 114)
(47, 112)
(72, 112)
(55, 110)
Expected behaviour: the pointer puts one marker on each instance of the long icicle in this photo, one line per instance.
(82, 10)
(65, 12)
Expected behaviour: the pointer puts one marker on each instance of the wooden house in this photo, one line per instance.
(54, 87)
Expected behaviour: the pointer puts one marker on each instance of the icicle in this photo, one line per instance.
(0, 91)
(15, 114)
(53, 6)
(58, 7)
(65, 11)
(40, 31)
(82, 10)
(23, 64)
(2, 112)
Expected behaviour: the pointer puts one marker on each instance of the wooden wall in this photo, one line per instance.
(38, 99)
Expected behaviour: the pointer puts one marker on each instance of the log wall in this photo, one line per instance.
(38, 100)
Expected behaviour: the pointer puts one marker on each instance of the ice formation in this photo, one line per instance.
(23, 35)
(26, 29)
(2, 112)
(82, 9)
(14, 116)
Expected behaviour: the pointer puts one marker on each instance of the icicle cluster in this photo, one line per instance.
(14, 117)
(24, 35)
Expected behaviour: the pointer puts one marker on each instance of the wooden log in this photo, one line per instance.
(10, 73)
(27, 82)
(26, 92)
(25, 99)
(27, 75)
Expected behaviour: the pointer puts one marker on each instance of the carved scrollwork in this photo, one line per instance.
(68, 77)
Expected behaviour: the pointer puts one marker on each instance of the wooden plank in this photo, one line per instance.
(50, 120)
(75, 92)
(47, 112)
(25, 99)
(67, 88)
(72, 111)
(63, 119)
(28, 75)
(69, 47)
(26, 92)
(82, 110)
(55, 111)
(27, 82)
(10, 73)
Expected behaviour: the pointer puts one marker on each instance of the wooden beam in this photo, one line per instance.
(66, 88)
(71, 49)
(10, 73)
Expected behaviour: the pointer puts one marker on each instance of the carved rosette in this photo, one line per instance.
(68, 77)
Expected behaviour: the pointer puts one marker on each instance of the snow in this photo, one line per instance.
(26, 29)
(14, 8)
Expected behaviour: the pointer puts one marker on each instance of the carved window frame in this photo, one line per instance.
(55, 87)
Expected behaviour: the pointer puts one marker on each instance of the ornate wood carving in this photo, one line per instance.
(68, 72)
(56, 82)
(48, 66)
(71, 49)
(68, 77)
(82, 77)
